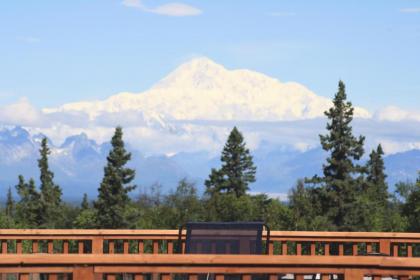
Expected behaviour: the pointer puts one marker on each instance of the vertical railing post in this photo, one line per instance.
(353, 274)
(138, 277)
(125, 246)
(409, 250)
(170, 247)
(368, 247)
(18, 246)
(155, 246)
(23, 276)
(65, 246)
(141, 247)
(83, 273)
(34, 246)
(220, 277)
(284, 247)
(298, 248)
(246, 277)
(97, 245)
(395, 249)
(385, 247)
(270, 248)
(50, 248)
(111, 246)
(327, 249)
(313, 249)
(192, 277)
(341, 249)
(80, 247)
(355, 249)
(4, 247)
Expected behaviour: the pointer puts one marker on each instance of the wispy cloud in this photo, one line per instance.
(170, 9)
(28, 39)
(282, 14)
(410, 10)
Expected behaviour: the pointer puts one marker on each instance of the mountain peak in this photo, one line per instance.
(200, 72)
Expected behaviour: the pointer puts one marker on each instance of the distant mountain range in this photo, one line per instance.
(78, 164)
(178, 127)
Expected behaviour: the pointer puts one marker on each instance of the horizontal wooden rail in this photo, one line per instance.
(111, 252)
(222, 264)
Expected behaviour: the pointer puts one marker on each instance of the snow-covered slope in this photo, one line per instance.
(204, 90)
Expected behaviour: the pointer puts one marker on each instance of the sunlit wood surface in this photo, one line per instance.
(108, 254)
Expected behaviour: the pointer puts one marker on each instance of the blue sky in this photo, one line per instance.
(54, 52)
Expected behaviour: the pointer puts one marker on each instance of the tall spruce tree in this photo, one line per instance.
(411, 208)
(10, 204)
(85, 202)
(29, 207)
(237, 170)
(341, 181)
(50, 192)
(377, 186)
(113, 198)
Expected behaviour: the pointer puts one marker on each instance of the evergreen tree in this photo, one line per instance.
(85, 202)
(10, 204)
(111, 205)
(181, 206)
(377, 187)
(411, 208)
(50, 192)
(29, 207)
(305, 209)
(341, 182)
(237, 170)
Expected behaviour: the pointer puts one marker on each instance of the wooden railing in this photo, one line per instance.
(135, 254)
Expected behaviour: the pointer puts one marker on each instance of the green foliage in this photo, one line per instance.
(377, 188)
(347, 197)
(183, 205)
(50, 192)
(10, 204)
(85, 202)
(412, 207)
(113, 198)
(237, 170)
(373, 203)
(86, 219)
(341, 183)
(306, 211)
(29, 207)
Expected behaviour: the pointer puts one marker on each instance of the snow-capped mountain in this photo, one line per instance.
(78, 164)
(178, 127)
(204, 90)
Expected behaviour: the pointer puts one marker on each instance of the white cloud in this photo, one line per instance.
(393, 147)
(21, 113)
(210, 100)
(170, 9)
(396, 114)
(410, 10)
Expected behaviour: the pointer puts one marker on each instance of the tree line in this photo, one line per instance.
(348, 196)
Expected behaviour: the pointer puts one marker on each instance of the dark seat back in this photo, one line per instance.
(224, 238)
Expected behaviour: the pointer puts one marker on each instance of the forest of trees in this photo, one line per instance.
(349, 195)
